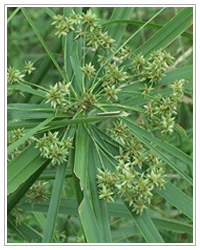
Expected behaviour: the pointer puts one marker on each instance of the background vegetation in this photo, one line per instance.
(59, 218)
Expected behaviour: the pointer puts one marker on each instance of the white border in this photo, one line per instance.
(194, 116)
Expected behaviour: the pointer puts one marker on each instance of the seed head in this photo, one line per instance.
(29, 67)
(14, 75)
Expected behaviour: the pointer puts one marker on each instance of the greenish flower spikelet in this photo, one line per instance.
(14, 75)
(52, 148)
(75, 18)
(63, 25)
(29, 67)
(57, 154)
(58, 95)
(18, 133)
(38, 192)
(139, 63)
(89, 70)
(119, 131)
(111, 92)
(115, 73)
(90, 20)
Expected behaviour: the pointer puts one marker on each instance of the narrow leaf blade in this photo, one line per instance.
(81, 155)
(178, 199)
(169, 32)
(146, 226)
(88, 220)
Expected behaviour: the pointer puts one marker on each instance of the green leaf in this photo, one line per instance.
(67, 206)
(40, 218)
(54, 204)
(178, 199)
(24, 231)
(173, 225)
(22, 167)
(55, 197)
(146, 226)
(13, 14)
(88, 220)
(76, 65)
(117, 209)
(117, 30)
(17, 195)
(68, 42)
(81, 155)
(46, 64)
(27, 89)
(183, 134)
(49, 12)
(26, 124)
(105, 141)
(51, 175)
(164, 145)
(61, 123)
(127, 230)
(170, 31)
(20, 111)
(99, 206)
(141, 23)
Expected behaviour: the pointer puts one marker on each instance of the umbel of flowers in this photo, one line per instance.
(52, 148)
(139, 171)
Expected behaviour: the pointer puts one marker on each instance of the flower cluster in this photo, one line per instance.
(58, 95)
(85, 25)
(113, 78)
(17, 134)
(152, 69)
(63, 25)
(89, 70)
(164, 109)
(88, 101)
(52, 148)
(38, 192)
(15, 75)
(138, 173)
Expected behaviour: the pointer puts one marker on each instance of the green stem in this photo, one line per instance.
(40, 38)
(13, 14)
(34, 85)
(122, 107)
(64, 40)
(139, 93)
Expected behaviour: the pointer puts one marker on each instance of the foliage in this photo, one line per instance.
(99, 126)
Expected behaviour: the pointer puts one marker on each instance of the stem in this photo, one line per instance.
(34, 85)
(65, 56)
(13, 14)
(139, 93)
(40, 38)
(123, 107)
